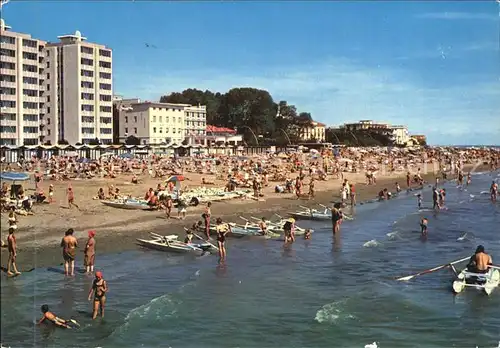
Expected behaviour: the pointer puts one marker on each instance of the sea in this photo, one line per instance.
(324, 292)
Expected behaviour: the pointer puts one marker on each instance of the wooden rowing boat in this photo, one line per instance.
(486, 282)
(171, 244)
(129, 205)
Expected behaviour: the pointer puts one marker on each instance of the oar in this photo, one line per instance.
(494, 267)
(244, 219)
(213, 246)
(432, 269)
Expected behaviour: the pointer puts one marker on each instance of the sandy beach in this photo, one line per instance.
(39, 235)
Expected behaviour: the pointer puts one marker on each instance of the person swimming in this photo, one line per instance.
(51, 317)
(307, 234)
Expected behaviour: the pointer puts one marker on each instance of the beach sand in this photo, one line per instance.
(39, 235)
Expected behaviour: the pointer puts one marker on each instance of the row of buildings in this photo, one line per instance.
(53, 91)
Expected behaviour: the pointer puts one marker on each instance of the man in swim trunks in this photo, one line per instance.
(480, 261)
(423, 226)
(12, 246)
(69, 245)
(51, 317)
(435, 197)
(99, 289)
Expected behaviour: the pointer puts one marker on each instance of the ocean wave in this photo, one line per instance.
(392, 235)
(372, 244)
(372, 345)
(332, 313)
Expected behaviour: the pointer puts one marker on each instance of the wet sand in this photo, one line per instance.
(117, 229)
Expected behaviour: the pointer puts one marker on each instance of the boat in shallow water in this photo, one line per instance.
(171, 243)
(486, 282)
(312, 214)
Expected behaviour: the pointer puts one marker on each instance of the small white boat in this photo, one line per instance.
(128, 204)
(172, 244)
(246, 230)
(486, 282)
(312, 214)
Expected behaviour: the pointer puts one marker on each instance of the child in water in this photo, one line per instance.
(419, 201)
(307, 234)
(51, 317)
(423, 226)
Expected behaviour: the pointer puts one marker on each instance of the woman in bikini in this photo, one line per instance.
(99, 289)
(222, 230)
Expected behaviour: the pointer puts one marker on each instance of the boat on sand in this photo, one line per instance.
(130, 204)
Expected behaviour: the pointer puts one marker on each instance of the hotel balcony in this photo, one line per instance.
(5, 135)
(8, 123)
(8, 84)
(9, 59)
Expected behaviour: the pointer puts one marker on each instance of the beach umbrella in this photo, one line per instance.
(127, 155)
(175, 178)
(14, 176)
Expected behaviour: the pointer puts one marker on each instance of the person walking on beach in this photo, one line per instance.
(89, 251)
(206, 218)
(71, 197)
(12, 246)
(51, 193)
(69, 245)
(337, 216)
(99, 289)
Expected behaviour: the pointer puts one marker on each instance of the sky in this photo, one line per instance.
(434, 66)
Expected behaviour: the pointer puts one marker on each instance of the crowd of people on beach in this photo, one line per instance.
(289, 172)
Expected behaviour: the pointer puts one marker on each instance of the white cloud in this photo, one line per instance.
(339, 91)
(458, 16)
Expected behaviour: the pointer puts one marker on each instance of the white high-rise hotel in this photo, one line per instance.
(54, 91)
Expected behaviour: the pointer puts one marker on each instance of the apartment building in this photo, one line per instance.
(152, 123)
(196, 123)
(79, 89)
(21, 87)
(399, 132)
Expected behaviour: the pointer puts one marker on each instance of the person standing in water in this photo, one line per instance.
(206, 218)
(493, 191)
(222, 229)
(423, 227)
(12, 246)
(419, 201)
(99, 289)
(90, 252)
(69, 245)
(337, 217)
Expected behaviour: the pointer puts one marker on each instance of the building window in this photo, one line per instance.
(8, 40)
(105, 108)
(106, 65)
(105, 53)
(7, 91)
(87, 73)
(135, 130)
(9, 78)
(154, 129)
(48, 110)
(135, 119)
(126, 130)
(8, 53)
(105, 86)
(86, 107)
(106, 130)
(87, 84)
(30, 105)
(87, 119)
(86, 61)
(161, 119)
(48, 121)
(87, 130)
(47, 65)
(30, 56)
(126, 119)
(87, 96)
(30, 68)
(103, 97)
(30, 80)
(154, 118)
(48, 131)
(29, 43)
(30, 92)
(88, 50)
(161, 130)
(105, 75)
(106, 120)
(7, 117)
(9, 66)
(7, 129)
(30, 130)
(30, 118)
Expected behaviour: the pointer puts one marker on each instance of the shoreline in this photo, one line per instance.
(115, 237)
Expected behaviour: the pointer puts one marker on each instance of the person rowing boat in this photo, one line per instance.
(480, 261)
(51, 317)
